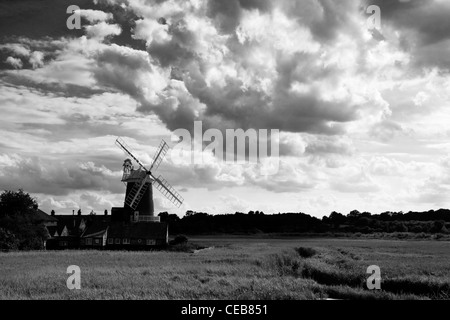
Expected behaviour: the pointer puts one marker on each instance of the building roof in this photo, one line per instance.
(41, 216)
(74, 222)
(52, 230)
(138, 230)
(69, 220)
(96, 228)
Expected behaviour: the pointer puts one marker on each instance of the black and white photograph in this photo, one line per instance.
(238, 151)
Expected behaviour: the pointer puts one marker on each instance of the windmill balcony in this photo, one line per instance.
(148, 219)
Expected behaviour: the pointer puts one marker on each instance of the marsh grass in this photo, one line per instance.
(238, 269)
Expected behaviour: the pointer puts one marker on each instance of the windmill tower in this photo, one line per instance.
(139, 185)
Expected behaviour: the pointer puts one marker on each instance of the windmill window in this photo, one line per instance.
(126, 241)
(139, 241)
(89, 242)
(150, 242)
(97, 241)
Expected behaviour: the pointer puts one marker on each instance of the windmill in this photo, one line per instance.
(139, 182)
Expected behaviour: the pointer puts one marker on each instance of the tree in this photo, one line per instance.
(354, 214)
(438, 226)
(362, 222)
(163, 216)
(14, 203)
(337, 218)
(20, 229)
(189, 213)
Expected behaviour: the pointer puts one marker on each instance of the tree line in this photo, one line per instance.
(257, 222)
(20, 229)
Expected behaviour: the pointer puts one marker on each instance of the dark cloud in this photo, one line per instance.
(226, 14)
(424, 26)
(76, 125)
(40, 175)
(57, 89)
(261, 5)
(229, 105)
(170, 53)
(428, 17)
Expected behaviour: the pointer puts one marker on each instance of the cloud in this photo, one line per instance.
(40, 175)
(423, 26)
(37, 59)
(14, 62)
(386, 130)
(93, 200)
(102, 30)
(16, 48)
(321, 145)
(95, 15)
(359, 114)
(232, 74)
(289, 178)
(235, 204)
(50, 203)
(355, 180)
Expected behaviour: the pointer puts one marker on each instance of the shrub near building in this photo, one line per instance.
(20, 223)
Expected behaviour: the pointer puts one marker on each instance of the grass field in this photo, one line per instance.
(236, 268)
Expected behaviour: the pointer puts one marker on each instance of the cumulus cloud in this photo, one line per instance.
(40, 175)
(355, 180)
(37, 59)
(34, 58)
(102, 30)
(95, 15)
(424, 29)
(235, 204)
(235, 75)
(14, 62)
(16, 48)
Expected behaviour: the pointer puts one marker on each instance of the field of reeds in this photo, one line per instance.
(236, 268)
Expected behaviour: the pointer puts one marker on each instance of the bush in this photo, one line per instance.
(306, 252)
(8, 240)
(179, 239)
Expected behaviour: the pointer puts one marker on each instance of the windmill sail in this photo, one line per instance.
(127, 149)
(168, 191)
(137, 192)
(159, 155)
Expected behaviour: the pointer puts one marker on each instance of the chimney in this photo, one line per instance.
(53, 212)
(106, 212)
(73, 212)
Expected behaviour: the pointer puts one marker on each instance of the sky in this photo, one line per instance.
(363, 112)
